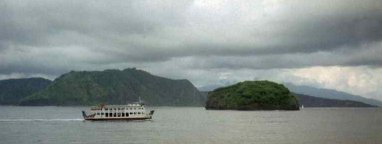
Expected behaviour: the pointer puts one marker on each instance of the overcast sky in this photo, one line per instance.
(334, 44)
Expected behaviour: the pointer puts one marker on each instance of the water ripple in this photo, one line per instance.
(31, 120)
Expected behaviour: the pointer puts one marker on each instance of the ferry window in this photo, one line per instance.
(105, 108)
(131, 113)
(127, 114)
(101, 113)
(97, 113)
(139, 112)
(106, 114)
(135, 112)
(123, 114)
(111, 114)
(115, 114)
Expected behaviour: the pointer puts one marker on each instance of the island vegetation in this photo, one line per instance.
(252, 95)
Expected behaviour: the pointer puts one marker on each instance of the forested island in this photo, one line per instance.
(252, 95)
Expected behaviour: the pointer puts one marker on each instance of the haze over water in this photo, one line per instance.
(63, 125)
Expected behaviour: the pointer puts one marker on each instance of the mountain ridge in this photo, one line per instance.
(116, 87)
(96, 87)
(330, 94)
(13, 90)
(312, 101)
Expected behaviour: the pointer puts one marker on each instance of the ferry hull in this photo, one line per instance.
(115, 119)
(92, 118)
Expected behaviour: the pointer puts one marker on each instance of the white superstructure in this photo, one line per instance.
(134, 111)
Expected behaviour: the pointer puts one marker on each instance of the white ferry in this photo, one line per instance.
(134, 111)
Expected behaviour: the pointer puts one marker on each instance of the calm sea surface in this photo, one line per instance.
(175, 125)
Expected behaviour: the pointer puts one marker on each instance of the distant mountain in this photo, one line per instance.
(330, 94)
(13, 90)
(213, 87)
(116, 87)
(311, 101)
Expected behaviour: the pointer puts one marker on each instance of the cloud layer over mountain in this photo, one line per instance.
(333, 44)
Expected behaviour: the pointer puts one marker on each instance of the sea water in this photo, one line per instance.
(175, 125)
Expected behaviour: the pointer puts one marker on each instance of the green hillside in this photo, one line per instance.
(252, 95)
(116, 87)
(13, 90)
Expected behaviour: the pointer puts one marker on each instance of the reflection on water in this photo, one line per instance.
(24, 125)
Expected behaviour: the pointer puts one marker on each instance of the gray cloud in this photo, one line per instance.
(157, 31)
(45, 37)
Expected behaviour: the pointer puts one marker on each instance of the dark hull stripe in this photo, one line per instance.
(107, 119)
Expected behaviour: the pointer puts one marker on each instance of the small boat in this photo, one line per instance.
(133, 111)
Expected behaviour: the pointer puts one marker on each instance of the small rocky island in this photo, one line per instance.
(252, 95)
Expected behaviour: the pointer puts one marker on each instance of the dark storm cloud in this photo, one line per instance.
(56, 36)
(33, 22)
